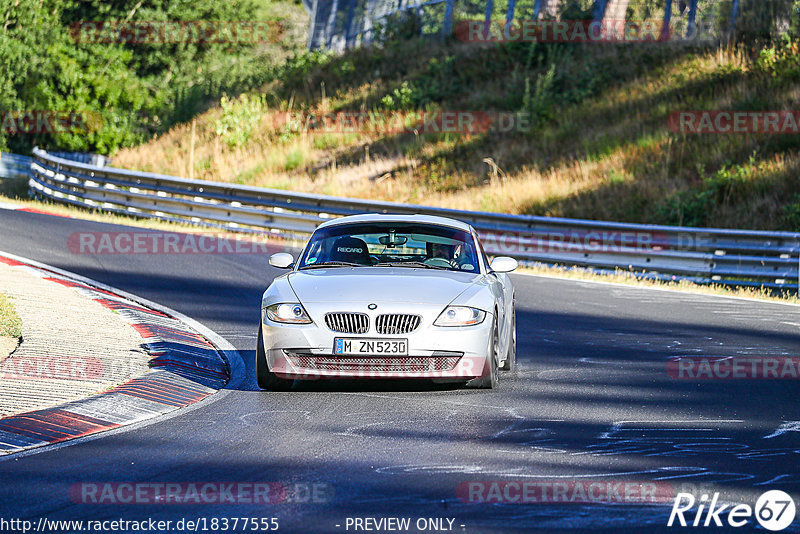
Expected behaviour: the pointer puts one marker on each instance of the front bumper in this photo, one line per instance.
(305, 352)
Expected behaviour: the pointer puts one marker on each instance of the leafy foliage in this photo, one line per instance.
(49, 62)
(10, 323)
(239, 118)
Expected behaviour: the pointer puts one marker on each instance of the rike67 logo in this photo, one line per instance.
(774, 510)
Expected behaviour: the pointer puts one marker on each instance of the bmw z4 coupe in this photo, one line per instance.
(388, 296)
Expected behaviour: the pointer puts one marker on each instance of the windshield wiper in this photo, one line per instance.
(411, 264)
(331, 264)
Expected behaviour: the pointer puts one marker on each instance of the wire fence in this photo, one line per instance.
(340, 24)
(14, 166)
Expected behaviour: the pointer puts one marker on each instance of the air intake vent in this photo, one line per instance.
(397, 323)
(347, 323)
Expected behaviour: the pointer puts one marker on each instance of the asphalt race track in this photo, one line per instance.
(592, 401)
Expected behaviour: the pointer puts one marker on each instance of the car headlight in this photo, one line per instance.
(287, 312)
(460, 316)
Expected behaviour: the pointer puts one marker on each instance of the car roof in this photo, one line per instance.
(385, 217)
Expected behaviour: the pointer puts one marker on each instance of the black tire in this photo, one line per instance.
(510, 365)
(490, 380)
(266, 379)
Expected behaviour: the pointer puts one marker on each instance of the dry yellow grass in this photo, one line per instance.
(610, 156)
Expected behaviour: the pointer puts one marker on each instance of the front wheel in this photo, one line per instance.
(266, 378)
(510, 365)
(490, 379)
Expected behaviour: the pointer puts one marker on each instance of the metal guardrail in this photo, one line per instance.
(84, 157)
(14, 166)
(704, 255)
(342, 24)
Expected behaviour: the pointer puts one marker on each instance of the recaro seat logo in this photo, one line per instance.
(774, 510)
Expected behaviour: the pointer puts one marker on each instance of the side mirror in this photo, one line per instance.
(503, 264)
(281, 260)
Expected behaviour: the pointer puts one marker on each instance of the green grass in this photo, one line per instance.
(294, 159)
(10, 323)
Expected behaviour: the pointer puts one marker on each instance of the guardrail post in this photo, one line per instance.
(447, 26)
(350, 26)
(537, 9)
(368, 21)
(599, 10)
(512, 6)
(330, 27)
(488, 18)
(665, 29)
(734, 14)
(691, 26)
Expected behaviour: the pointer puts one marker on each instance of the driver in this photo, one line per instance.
(448, 253)
(444, 252)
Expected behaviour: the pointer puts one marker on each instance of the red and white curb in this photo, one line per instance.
(17, 207)
(185, 368)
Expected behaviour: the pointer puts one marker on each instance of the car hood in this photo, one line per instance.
(380, 284)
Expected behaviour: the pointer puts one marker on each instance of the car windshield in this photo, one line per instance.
(391, 244)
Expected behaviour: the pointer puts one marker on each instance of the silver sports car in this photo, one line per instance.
(388, 296)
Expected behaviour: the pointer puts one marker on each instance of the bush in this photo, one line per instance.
(239, 119)
(139, 89)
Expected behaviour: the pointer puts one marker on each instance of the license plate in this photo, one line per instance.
(357, 345)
